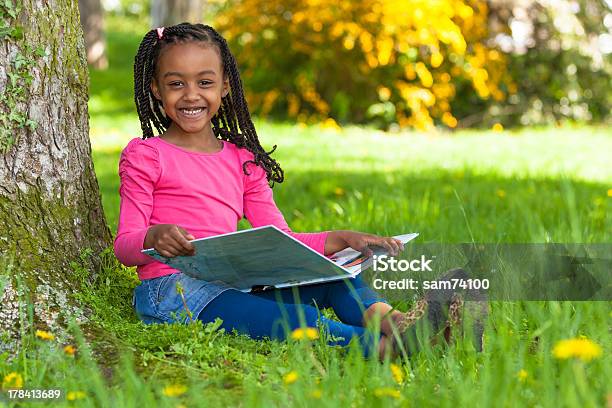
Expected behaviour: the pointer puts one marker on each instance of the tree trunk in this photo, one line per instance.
(92, 21)
(50, 207)
(165, 13)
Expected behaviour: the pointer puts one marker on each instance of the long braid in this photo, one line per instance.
(232, 122)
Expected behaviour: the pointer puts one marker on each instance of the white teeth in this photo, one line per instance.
(192, 112)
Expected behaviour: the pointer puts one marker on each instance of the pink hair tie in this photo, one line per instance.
(160, 32)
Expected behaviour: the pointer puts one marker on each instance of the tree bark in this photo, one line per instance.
(165, 13)
(50, 206)
(92, 21)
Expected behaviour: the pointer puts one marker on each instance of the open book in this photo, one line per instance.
(265, 258)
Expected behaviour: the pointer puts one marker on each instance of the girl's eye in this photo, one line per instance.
(175, 84)
(205, 82)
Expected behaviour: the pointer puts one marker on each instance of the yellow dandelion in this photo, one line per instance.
(290, 377)
(522, 375)
(500, 193)
(12, 381)
(581, 348)
(69, 350)
(312, 333)
(174, 390)
(610, 192)
(309, 333)
(298, 334)
(316, 394)
(339, 191)
(75, 395)
(387, 392)
(397, 372)
(44, 335)
(497, 127)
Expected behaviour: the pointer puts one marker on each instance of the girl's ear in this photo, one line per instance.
(155, 89)
(226, 87)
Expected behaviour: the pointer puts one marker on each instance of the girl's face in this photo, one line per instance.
(190, 83)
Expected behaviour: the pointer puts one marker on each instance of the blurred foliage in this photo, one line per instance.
(391, 63)
(559, 55)
(386, 61)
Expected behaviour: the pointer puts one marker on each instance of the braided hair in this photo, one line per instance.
(232, 122)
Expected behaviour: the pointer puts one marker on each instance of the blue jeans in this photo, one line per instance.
(271, 314)
(276, 313)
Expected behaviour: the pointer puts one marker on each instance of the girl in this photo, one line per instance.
(199, 177)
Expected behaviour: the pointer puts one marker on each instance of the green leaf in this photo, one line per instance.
(17, 33)
(32, 125)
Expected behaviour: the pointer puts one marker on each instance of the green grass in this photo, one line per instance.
(449, 188)
(533, 185)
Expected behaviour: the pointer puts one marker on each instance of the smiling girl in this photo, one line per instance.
(202, 173)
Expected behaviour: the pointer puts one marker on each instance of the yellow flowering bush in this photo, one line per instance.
(358, 60)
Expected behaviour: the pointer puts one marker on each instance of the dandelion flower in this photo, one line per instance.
(75, 395)
(69, 350)
(309, 333)
(44, 335)
(398, 374)
(500, 193)
(610, 192)
(12, 381)
(339, 191)
(316, 394)
(312, 333)
(581, 348)
(387, 392)
(174, 390)
(522, 375)
(497, 127)
(290, 377)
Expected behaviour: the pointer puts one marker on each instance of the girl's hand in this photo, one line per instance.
(169, 240)
(362, 242)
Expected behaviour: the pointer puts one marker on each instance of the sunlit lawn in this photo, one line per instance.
(532, 185)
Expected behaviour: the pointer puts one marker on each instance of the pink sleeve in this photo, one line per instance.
(139, 171)
(260, 209)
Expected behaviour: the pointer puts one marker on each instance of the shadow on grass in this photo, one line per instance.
(443, 206)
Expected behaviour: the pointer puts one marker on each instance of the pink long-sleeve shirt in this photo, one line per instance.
(205, 193)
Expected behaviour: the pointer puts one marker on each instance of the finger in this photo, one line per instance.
(185, 233)
(182, 246)
(400, 243)
(366, 251)
(396, 246)
(387, 245)
(182, 238)
(171, 246)
(185, 246)
(165, 253)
